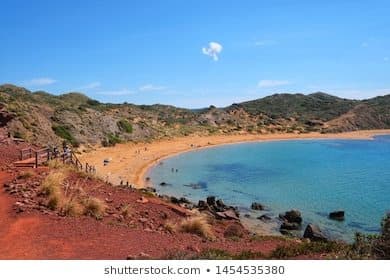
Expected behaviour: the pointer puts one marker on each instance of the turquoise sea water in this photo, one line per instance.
(314, 176)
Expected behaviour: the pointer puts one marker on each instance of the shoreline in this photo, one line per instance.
(130, 162)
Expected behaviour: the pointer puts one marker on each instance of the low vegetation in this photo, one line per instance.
(65, 134)
(125, 126)
(312, 249)
(372, 246)
(94, 207)
(197, 225)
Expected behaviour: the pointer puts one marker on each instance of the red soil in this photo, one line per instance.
(38, 233)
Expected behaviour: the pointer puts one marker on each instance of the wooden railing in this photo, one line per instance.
(44, 155)
(26, 153)
(71, 158)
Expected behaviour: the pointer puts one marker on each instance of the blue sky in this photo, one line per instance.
(196, 53)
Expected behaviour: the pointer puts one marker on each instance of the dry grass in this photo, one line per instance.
(56, 164)
(25, 175)
(53, 183)
(197, 225)
(170, 227)
(72, 208)
(94, 207)
(127, 211)
(55, 201)
(52, 188)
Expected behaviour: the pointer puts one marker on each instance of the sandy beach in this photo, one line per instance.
(129, 162)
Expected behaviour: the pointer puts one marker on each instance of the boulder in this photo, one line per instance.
(228, 214)
(314, 233)
(163, 184)
(264, 218)
(292, 216)
(202, 205)
(221, 204)
(290, 226)
(257, 206)
(285, 232)
(184, 200)
(337, 215)
(211, 200)
(175, 200)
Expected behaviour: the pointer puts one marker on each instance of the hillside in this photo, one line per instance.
(43, 118)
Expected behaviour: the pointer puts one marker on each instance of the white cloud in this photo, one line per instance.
(272, 83)
(213, 50)
(150, 87)
(119, 92)
(40, 82)
(92, 85)
(265, 43)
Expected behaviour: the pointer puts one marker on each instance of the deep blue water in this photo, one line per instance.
(314, 176)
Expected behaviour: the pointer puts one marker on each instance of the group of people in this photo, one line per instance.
(67, 151)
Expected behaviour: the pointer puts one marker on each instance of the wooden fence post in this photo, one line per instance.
(36, 159)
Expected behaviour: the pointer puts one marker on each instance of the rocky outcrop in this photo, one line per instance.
(264, 218)
(314, 233)
(290, 226)
(257, 206)
(292, 216)
(218, 209)
(337, 215)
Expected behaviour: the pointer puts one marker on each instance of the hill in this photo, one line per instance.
(43, 118)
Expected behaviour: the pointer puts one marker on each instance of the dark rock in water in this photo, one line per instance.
(184, 200)
(285, 232)
(220, 203)
(202, 205)
(292, 216)
(175, 200)
(247, 216)
(163, 184)
(337, 215)
(290, 226)
(211, 201)
(264, 218)
(314, 233)
(257, 206)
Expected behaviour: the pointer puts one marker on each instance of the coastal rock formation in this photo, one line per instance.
(290, 226)
(264, 218)
(337, 215)
(292, 216)
(314, 233)
(218, 209)
(257, 206)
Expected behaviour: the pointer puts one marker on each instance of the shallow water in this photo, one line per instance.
(314, 176)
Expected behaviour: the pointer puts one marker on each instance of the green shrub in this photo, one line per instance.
(64, 133)
(308, 248)
(125, 126)
(111, 140)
